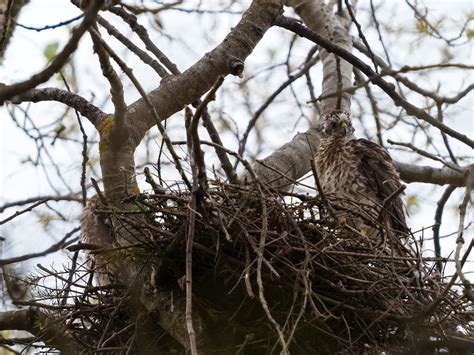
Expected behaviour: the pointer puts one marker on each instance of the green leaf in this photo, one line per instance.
(421, 26)
(412, 202)
(470, 33)
(50, 51)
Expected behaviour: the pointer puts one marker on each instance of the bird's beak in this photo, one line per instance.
(344, 126)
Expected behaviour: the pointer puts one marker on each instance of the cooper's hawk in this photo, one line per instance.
(361, 179)
(96, 232)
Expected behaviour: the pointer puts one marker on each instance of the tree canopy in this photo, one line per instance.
(178, 138)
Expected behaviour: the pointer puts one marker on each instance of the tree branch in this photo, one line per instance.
(227, 58)
(36, 322)
(8, 91)
(94, 114)
(53, 248)
(334, 29)
(428, 174)
(388, 88)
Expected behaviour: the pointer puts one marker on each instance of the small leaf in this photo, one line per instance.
(50, 51)
(470, 33)
(45, 219)
(60, 129)
(421, 26)
(412, 202)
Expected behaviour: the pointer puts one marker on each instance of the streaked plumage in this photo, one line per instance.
(359, 176)
(94, 230)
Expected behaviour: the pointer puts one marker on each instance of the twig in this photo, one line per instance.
(49, 27)
(425, 154)
(150, 107)
(99, 193)
(388, 88)
(196, 152)
(260, 258)
(361, 34)
(437, 224)
(377, 27)
(307, 66)
(116, 87)
(144, 56)
(157, 189)
(320, 189)
(190, 233)
(85, 158)
(460, 242)
(9, 91)
(19, 213)
(94, 114)
(40, 198)
(443, 296)
(143, 35)
(55, 247)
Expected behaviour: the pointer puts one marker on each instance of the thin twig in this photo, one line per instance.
(437, 224)
(468, 292)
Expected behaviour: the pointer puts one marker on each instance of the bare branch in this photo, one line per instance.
(437, 224)
(132, 47)
(227, 58)
(388, 88)
(116, 87)
(9, 91)
(334, 29)
(468, 292)
(430, 175)
(39, 198)
(94, 114)
(53, 248)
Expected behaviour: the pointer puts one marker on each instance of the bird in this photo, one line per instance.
(361, 180)
(96, 233)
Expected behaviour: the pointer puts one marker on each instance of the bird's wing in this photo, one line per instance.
(378, 168)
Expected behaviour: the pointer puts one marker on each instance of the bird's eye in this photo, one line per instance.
(333, 124)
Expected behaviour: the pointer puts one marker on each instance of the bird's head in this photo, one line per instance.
(337, 125)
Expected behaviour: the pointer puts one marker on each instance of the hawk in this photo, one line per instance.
(96, 232)
(361, 178)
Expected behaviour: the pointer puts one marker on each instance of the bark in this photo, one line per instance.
(280, 169)
(38, 323)
(9, 11)
(430, 175)
(318, 17)
(177, 91)
(117, 161)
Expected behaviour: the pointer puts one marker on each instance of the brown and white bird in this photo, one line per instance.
(97, 233)
(361, 178)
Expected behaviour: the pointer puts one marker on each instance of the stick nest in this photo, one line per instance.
(276, 269)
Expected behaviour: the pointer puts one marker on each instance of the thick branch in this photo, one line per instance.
(281, 169)
(34, 321)
(179, 90)
(9, 11)
(428, 174)
(227, 58)
(20, 319)
(78, 103)
(336, 73)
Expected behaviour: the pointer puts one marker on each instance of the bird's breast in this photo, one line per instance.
(336, 166)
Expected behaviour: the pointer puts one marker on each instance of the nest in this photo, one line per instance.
(271, 268)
